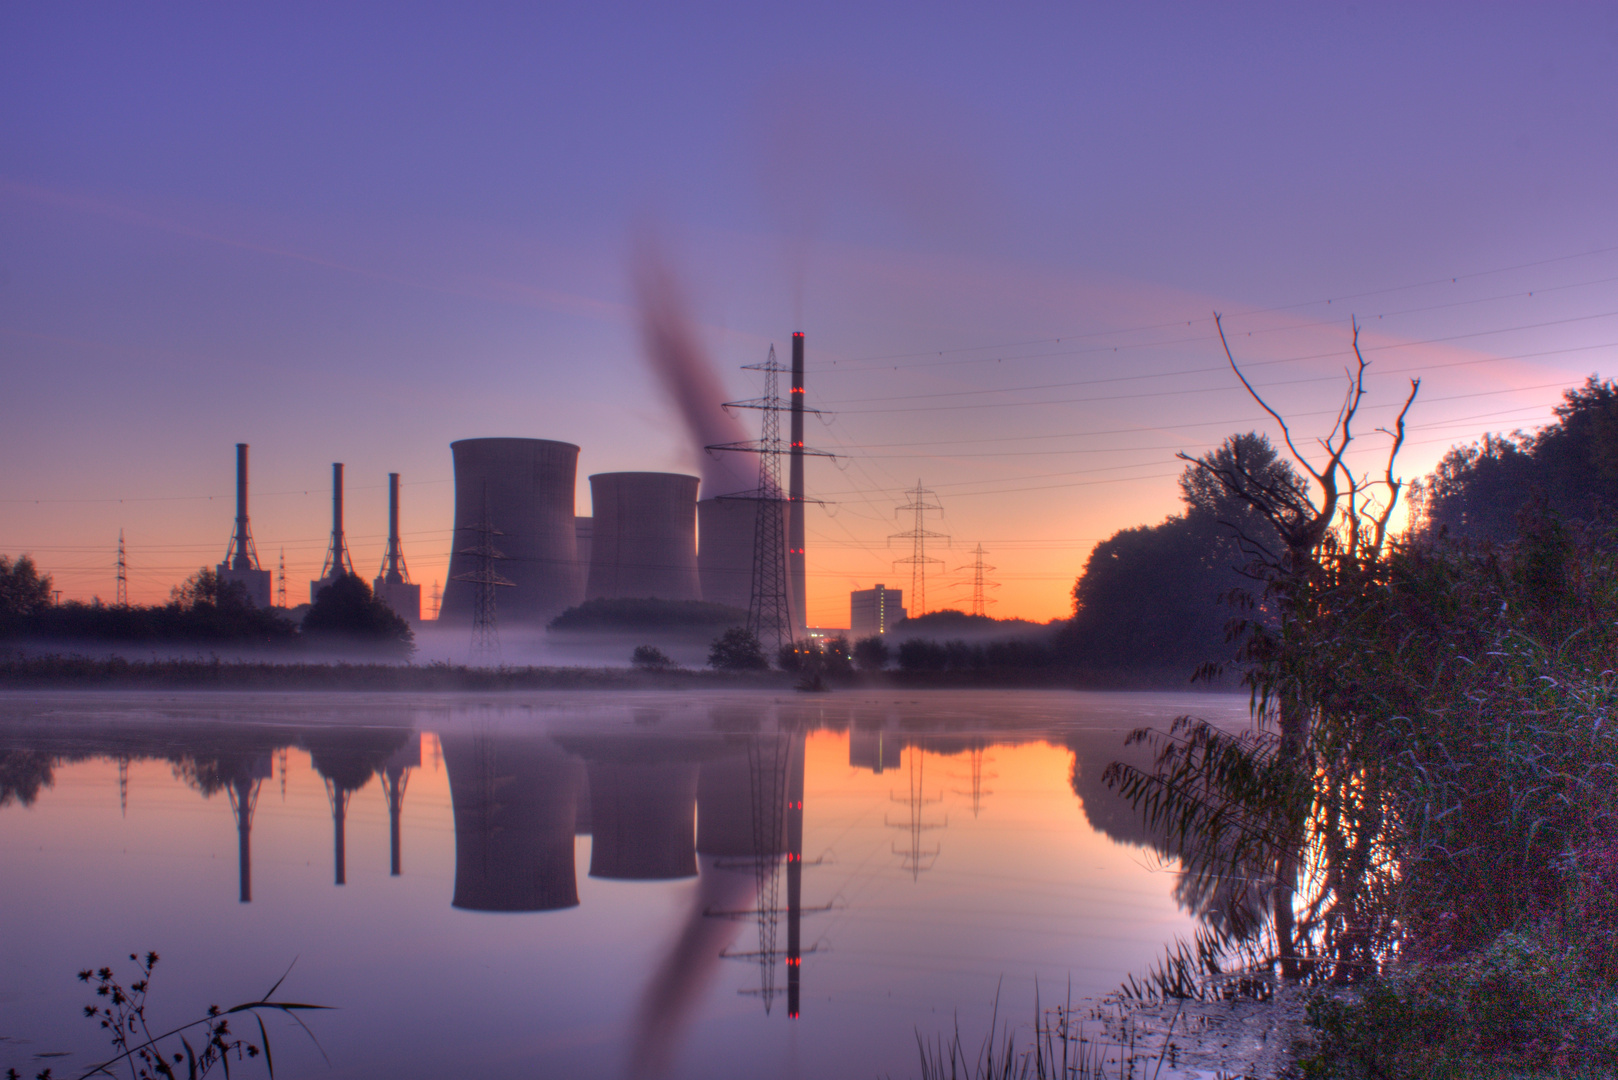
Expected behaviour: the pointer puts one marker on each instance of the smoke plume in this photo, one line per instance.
(687, 374)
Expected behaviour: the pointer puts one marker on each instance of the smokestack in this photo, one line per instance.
(242, 561)
(337, 562)
(391, 573)
(241, 558)
(795, 541)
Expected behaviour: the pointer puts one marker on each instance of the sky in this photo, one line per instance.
(357, 233)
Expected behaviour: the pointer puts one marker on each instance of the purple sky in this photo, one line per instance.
(357, 236)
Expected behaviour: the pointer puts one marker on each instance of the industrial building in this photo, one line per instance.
(393, 585)
(874, 611)
(644, 537)
(241, 557)
(521, 492)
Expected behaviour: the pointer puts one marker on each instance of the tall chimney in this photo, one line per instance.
(337, 560)
(242, 560)
(795, 539)
(392, 568)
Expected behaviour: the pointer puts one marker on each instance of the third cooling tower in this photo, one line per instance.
(522, 489)
(644, 541)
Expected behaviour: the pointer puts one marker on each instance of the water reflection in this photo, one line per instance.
(699, 814)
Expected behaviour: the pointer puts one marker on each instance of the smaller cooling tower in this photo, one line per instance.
(725, 529)
(644, 541)
(583, 531)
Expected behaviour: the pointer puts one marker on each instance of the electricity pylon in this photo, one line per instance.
(123, 574)
(485, 622)
(918, 535)
(980, 586)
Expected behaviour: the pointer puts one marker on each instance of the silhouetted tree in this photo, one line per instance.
(346, 612)
(871, 654)
(23, 592)
(651, 658)
(737, 649)
(1571, 467)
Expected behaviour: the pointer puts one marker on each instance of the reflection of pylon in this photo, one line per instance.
(485, 623)
(775, 770)
(123, 786)
(918, 535)
(769, 613)
(976, 758)
(123, 574)
(916, 859)
(243, 800)
(980, 600)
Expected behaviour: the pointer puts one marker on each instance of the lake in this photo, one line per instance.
(591, 884)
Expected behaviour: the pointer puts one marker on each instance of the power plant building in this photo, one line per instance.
(644, 537)
(874, 611)
(522, 491)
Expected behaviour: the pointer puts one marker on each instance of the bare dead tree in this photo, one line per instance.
(1340, 526)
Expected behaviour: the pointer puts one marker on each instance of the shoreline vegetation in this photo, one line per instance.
(73, 670)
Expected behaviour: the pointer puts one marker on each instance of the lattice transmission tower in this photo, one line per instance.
(769, 610)
(485, 619)
(918, 535)
(980, 583)
(123, 573)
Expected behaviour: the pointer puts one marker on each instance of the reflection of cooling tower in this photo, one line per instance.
(733, 794)
(725, 530)
(644, 541)
(527, 486)
(641, 820)
(513, 802)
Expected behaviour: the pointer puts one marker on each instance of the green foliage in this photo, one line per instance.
(737, 649)
(651, 658)
(1572, 466)
(347, 613)
(646, 614)
(1524, 1003)
(23, 592)
(871, 654)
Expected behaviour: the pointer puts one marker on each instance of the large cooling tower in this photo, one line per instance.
(513, 800)
(526, 488)
(725, 529)
(644, 541)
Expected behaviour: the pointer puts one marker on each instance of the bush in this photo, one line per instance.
(346, 612)
(1526, 1002)
(737, 649)
(651, 658)
(871, 654)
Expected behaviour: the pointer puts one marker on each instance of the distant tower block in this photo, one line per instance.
(874, 611)
(527, 485)
(337, 561)
(241, 558)
(645, 536)
(393, 584)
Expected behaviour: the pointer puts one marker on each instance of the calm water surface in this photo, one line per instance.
(691, 885)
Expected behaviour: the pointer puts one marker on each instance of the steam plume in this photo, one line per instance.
(687, 374)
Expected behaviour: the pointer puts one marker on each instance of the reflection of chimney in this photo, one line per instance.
(641, 820)
(794, 873)
(395, 775)
(513, 800)
(243, 800)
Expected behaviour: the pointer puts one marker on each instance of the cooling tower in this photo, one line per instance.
(583, 531)
(725, 529)
(526, 488)
(513, 800)
(644, 536)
